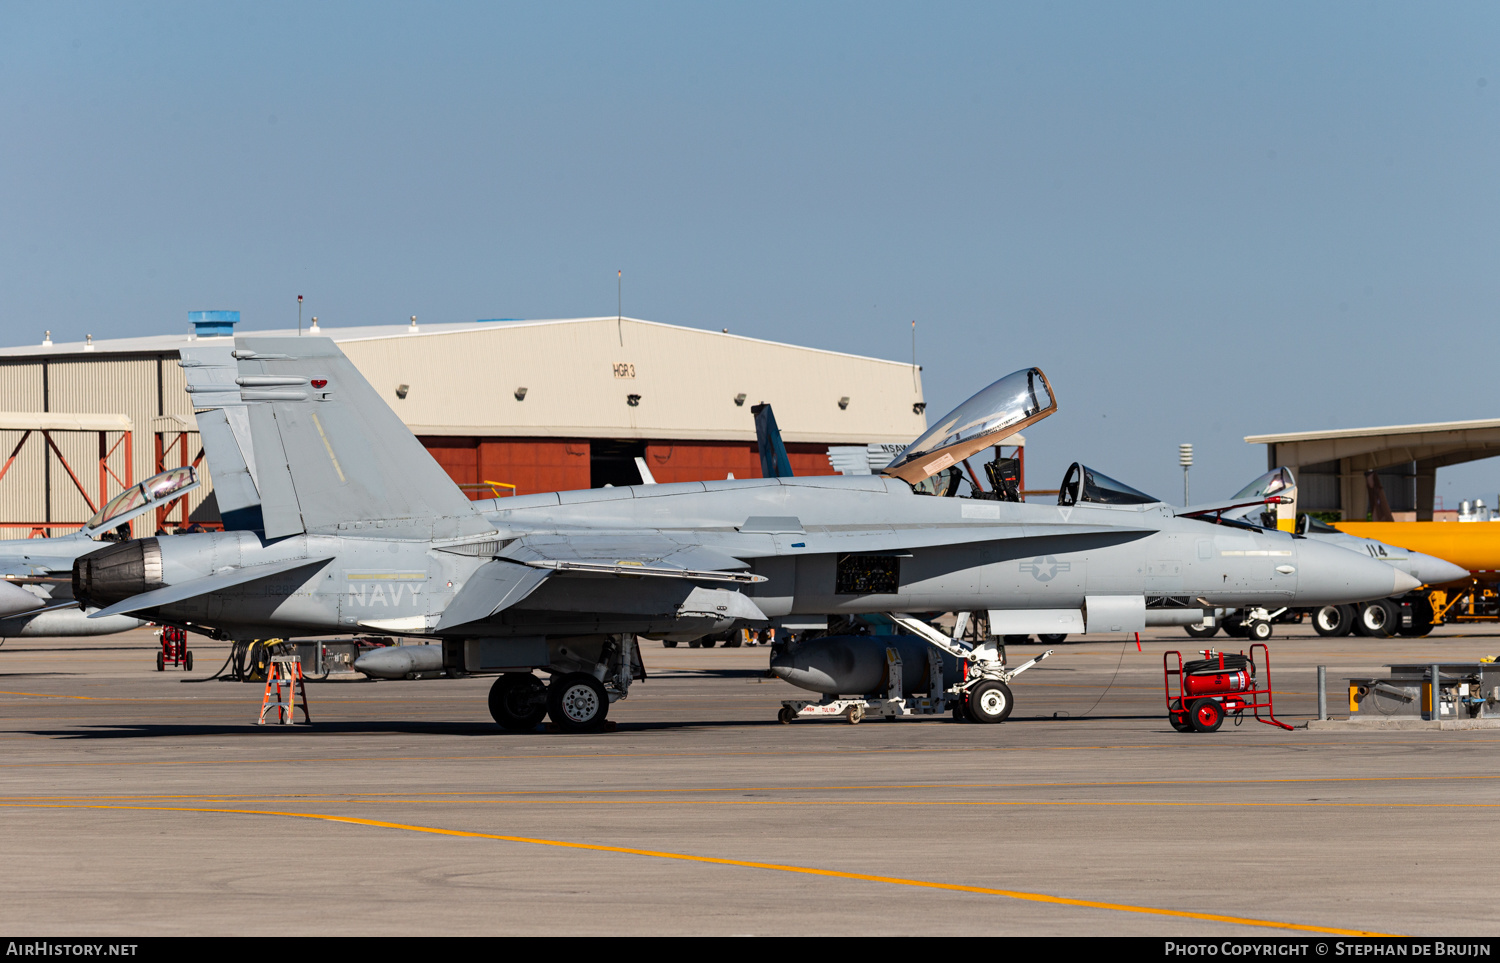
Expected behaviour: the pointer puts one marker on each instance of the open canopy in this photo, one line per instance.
(1004, 408)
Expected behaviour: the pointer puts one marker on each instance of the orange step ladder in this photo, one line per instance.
(285, 671)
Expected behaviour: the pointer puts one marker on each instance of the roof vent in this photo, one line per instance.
(214, 324)
(412, 329)
(88, 342)
(314, 328)
(47, 340)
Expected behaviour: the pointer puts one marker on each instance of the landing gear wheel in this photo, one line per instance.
(187, 661)
(990, 701)
(1236, 629)
(1378, 620)
(161, 662)
(855, 715)
(577, 702)
(1259, 630)
(1178, 718)
(1201, 631)
(518, 701)
(706, 643)
(1054, 638)
(1206, 715)
(669, 643)
(1334, 620)
(786, 715)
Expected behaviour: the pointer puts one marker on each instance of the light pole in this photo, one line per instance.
(1185, 459)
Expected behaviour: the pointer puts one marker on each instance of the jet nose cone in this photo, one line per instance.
(1332, 575)
(1431, 570)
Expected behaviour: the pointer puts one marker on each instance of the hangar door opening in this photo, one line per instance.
(612, 462)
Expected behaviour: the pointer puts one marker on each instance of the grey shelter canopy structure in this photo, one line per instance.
(1331, 466)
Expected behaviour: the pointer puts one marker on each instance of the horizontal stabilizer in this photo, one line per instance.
(495, 586)
(205, 585)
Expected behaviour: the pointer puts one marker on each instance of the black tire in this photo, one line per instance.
(1052, 638)
(1182, 724)
(577, 702)
(855, 715)
(1206, 715)
(1421, 617)
(161, 662)
(734, 641)
(669, 643)
(1332, 621)
(1016, 639)
(1201, 631)
(1259, 630)
(1378, 620)
(990, 701)
(187, 661)
(786, 715)
(518, 701)
(705, 643)
(1236, 629)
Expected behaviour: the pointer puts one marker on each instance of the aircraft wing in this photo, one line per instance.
(894, 539)
(641, 554)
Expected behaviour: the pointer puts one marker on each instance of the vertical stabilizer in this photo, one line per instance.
(330, 454)
(224, 428)
(773, 460)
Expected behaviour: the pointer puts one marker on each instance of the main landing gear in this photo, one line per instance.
(575, 702)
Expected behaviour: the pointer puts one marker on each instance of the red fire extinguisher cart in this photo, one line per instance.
(1217, 685)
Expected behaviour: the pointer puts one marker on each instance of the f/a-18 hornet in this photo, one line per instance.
(361, 530)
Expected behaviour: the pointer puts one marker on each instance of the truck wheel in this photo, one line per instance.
(1206, 715)
(1201, 631)
(1332, 621)
(990, 701)
(518, 701)
(577, 702)
(1378, 620)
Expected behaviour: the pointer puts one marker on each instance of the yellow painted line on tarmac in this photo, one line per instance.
(777, 867)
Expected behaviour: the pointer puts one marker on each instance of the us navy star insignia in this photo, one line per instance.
(1044, 568)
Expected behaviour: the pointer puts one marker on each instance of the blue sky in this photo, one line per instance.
(1202, 220)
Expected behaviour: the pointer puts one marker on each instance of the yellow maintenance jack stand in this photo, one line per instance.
(285, 670)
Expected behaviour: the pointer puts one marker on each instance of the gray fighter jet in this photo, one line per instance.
(362, 530)
(36, 574)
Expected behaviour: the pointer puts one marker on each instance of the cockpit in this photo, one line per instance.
(1084, 484)
(937, 463)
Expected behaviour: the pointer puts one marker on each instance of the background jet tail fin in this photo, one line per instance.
(773, 460)
(224, 429)
(330, 454)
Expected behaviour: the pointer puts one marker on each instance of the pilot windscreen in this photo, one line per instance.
(1100, 488)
